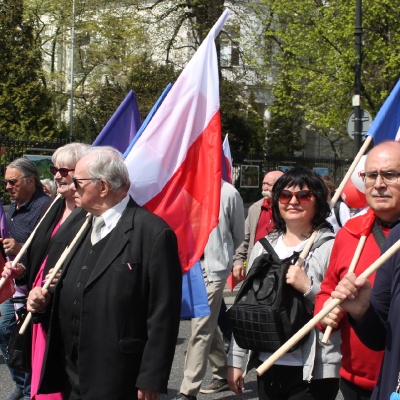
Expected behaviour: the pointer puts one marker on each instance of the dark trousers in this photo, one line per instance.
(282, 382)
(224, 322)
(350, 391)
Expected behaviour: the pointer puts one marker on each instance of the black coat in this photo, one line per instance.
(42, 241)
(129, 317)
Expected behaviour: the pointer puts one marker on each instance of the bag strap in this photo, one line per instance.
(336, 210)
(268, 246)
(379, 236)
(320, 242)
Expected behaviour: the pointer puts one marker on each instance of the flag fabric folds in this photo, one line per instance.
(194, 294)
(175, 165)
(227, 170)
(148, 119)
(122, 126)
(386, 124)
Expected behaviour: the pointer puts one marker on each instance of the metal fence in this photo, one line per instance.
(247, 175)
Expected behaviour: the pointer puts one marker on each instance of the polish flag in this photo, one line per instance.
(175, 166)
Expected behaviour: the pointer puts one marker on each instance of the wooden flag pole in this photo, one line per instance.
(354, 261)
(29, 240)
(326, 310)
(56, 268)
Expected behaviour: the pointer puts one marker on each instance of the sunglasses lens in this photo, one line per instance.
(53, 170)
(285, 196)
(62, 171)
(303, 196)
(10, 182)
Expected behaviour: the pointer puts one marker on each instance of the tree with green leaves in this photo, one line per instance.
(26, 108)
(307, 52)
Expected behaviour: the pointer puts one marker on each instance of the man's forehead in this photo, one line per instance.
(81, 166)
(14, 172)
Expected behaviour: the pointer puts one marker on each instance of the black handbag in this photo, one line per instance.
(19, 348)
(267, 311)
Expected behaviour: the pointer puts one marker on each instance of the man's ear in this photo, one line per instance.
(104, 188)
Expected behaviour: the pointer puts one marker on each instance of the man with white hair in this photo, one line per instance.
(115, 311)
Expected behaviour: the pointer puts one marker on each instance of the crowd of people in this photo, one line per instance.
(106, 325)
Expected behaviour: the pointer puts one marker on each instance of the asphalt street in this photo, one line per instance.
(250, 392)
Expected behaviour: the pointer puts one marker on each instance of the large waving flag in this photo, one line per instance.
(227, 171)
(122, 126)
(175, 166)
(386, 124)
(148, 119)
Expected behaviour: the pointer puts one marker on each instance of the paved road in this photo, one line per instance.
(176, 373)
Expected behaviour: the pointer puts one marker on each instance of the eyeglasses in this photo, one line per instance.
(12, 182)
(387, 177)
(76, 181)
(63, 171)
(302, 196)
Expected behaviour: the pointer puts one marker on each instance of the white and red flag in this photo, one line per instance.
(175, 166)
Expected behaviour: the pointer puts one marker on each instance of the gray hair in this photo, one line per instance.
(28, 169)
(108, 164)
(69, 155)
(52, 184)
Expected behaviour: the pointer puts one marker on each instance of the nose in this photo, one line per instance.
(71, 187)
(293, 199)
(379, 182)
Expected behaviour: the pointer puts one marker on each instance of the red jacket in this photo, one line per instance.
(360, 365)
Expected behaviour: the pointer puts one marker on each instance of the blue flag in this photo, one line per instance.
(194, 294)
(386, 124)
(122, 127)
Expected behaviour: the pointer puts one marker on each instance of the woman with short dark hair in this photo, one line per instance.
(299, 207)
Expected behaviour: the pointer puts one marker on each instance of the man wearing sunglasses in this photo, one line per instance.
(360, 365)
(116, 308)
(28, 204)
(258, 224)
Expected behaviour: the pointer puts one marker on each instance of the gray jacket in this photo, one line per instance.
(244, 250)
(226, 236)
(319, 361)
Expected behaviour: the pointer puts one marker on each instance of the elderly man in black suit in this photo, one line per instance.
(114, 314)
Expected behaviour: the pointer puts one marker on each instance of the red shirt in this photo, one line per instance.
(265, 223)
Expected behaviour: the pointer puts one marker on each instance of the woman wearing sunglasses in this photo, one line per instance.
(51, 238)
(299, 207)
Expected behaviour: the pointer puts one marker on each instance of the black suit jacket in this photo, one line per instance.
(129, 317)
(43, 244)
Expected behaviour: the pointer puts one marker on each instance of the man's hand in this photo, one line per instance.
(334, 317)
(238, 271)
(144, 394)
(13, 272)
(38, 299)
(356, 293)
(11, 246)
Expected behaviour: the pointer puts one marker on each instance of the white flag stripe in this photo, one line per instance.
(181, 118)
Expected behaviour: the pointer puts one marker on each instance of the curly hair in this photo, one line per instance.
(301, 177)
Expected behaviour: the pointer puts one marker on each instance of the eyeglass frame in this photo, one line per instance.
(13, 182)
(76, 183)
(364, 177)
(62, 171)
(295, 194)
